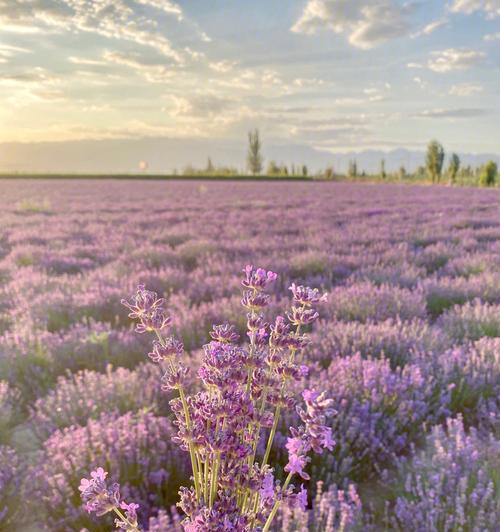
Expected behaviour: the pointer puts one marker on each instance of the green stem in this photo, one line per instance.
(276, 506)
(271, 436)
(192, 453)
(125, 520)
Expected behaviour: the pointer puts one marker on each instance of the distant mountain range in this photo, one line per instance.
(163, 155)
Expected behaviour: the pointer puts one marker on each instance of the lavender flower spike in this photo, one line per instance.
(101, 499)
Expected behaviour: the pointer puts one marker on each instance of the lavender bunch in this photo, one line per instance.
(450, 485)
(228, 427)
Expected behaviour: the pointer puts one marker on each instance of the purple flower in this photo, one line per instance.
(267, 489)
(257, 279)
(96, 494)
(296, 464)
(307, 296)
(225, 333)
(302, 498)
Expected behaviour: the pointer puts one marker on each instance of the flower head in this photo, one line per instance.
(96, 495)
(257, 279)
(307, 296)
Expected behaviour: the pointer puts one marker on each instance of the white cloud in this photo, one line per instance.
(415, 65)
(451, 113)
(420, 82)
(465, 89)
(201, 105)
(8, 51)
(114, 19)
(31, 86)
(85, 61)
(222, 66)
(164, 5)
(491, 8)
(454, 59)
(153, 72)
(492, 36)
(365, 22)
(430, 28)
(308, 82)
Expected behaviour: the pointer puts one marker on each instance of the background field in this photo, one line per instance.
(409, 336)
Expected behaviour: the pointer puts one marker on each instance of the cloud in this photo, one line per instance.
(491, 8)
(36, 77)
(492, 36)
(420, 82)
(366, 23)
(222, 66)
(114, 19)
(343, 133)
(202, 105)
(153, 72)
(85, 61)
(451, 113)
(430, 28)
(165, 6)
(308, 82)
(8, 51)
(465, 89)
(454, 59)
(31, 86)
(415, 65)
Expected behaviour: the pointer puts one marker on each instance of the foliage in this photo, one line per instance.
(434, 160)
(488, 174)
(254, 157)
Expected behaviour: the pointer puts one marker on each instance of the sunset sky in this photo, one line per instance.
(329, 75)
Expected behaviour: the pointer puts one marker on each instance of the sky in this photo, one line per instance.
(83, 79)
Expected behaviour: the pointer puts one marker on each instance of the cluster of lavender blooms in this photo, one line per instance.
(450, 485)
(380, 413)
(37, 358)
(10, 484)
(333, 510)
(365, 301)
(470, 372)
(472, 321)
(444, 292)
(137, 448)
(245, 389)
(396, 340)
(86, 395)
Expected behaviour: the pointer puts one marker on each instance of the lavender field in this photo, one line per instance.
(407, 345)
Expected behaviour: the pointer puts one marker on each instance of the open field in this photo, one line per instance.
(408, 344)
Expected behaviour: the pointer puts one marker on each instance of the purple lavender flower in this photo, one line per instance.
(225, 333)
(303, 295)
(97, 495)
(257, 278)
(450, 484)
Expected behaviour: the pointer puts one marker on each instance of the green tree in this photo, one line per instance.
(402, 172)
(329, 173)
(283, 170)
(383, 175)
(488, 174)
(254, 157)
(210, 167)
(434, 160)
(352, 171)
(304, 170)
(453, 167)
(272, 168)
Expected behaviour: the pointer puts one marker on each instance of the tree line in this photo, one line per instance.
(432, 170)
